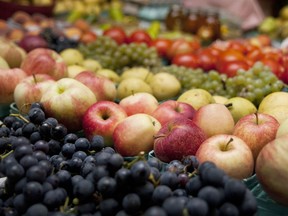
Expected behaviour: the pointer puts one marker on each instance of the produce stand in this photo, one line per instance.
(201, 49)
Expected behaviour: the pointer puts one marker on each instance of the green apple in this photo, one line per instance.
(165, 86)
(196, 98)
(240, 107)
(220, 99)
(3, 63)
(131, 86)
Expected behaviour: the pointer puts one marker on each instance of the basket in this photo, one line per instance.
(9, 8)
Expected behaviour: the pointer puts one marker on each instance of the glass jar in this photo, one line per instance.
(212, 20)
(175, 17)
(191, 22)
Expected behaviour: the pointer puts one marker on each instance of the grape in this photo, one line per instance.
(83, 189)
(197, 207)
(70, 138)
(170, 179)
(33, 191)
(82, 144)
(161, 193)
(211, 195)
(155, 211)
(36, 173)
(37, 209)
(228, 209)
(234, 190)
(131, 203)
(107, 186)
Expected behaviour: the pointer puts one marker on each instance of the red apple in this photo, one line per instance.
(256, 130)
(141, 102)
(271, 169)
(178, 138)
(9, 79)
(135, 134)
(214, 119)
(45, 61)
(101, 119)
(229, 153)
(30, 90)
(102, 87)
(171, 109)
(67, 100)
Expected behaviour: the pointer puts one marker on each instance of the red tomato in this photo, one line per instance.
(206, 60)
(182, 46)
(264, 39)
(231, 68)
(237, 45)
(231, 55)
(254, 55)
(140, 36)
(162, 45)
(275, 67)
(187, 60)
(116, 33)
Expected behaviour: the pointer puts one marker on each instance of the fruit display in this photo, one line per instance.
(122, 121)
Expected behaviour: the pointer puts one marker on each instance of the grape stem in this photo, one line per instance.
(20, 116)
(5, 155)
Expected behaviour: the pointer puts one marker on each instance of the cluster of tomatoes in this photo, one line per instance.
(224, 56)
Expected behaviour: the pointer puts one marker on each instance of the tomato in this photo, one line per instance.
(264, 39)
(231, 55)
(206, 60)
(231, 68)
(189, 60)
(162, 46)
(254, 55)
(116, 33)
(275, 67)
(139, 36)
(238, 45)
(88, 37)
(182, 46)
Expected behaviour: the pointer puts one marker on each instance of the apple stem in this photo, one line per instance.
(227, 144)
(159, 136)
(257, 118)
(34, 78)
(229, 105)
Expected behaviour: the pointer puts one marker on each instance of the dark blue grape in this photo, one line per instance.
(58, 132)
(23, 150)
(46, 165)
(53, 180)
(183, 178)
(36, 115)
(213, 176)
(64, 178)
(116, 161)
(86, 209)
(27, 161)
(175, 166)
(234, 190)
(14, 172)
(170, 179)
(17, 124)
(107, 186)
(145, 191)
(193, 185)
(109, 207)
(41, 145)
(140, 171)
(36, 173)
(9, 120)
(68, 149)
(97, 173)
(109, 150)
(155, 211)
(20, 185)
(197, 207)
(20, 204)
(76, 178)
(87, 168)
(174, 205)
(47, 187)
(19, 141)
(203, 166)
(123, 176)
(161, 193)
(55, 198)
(35, 136)
(33, 191)
(131, 203)
(80, 154)
(228, 209)
(155, 162)
(28, 129)
(179, 192)
(4, 131)
(211, 195)
(155, 173)
(40, 155)
(70, 138)
(249, 205)
(82, 144)
(102, 158)
(54, 147)
(83, 189)
(97, 143)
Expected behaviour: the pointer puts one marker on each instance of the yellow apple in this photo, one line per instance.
(282, 129)
(220, 99)
(196, 98)
(274, 99)
(3, 63)
(239, 107)
(110, 74)
(74, 70)
(72, 56)
(91, 65)
(137, 72)
(279, 112)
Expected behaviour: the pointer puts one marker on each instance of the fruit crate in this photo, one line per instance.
(8, 8)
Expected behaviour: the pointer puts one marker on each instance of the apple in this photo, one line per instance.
(278, 112)
(110, 74)
(9, 79)
(140, 102)
(282, 129)
(214, 119)
(3, 64)
(102, 87)
(178, 138)
(44, 61)
(137, 72)
(196, 97)
(229, 153)
(131, 86)
(171, 109)
(12, 53)
(67, 100)
(271, 169)
(165, 86)
(74, 70)
(30, 90)
(273, 100)
(220, 99)
(101, 119)
(239, 107)
(256, 130)
(72, 56)
(91, 64)
(135, 134)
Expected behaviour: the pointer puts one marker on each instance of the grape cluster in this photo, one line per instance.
(117, 57)
(51, 171)
(56, 41)
(253, 84)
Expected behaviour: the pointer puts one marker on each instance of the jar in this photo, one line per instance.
(213, 21)
(191, 22)
(175, 17)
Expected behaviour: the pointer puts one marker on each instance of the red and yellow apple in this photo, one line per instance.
(214, 119)
(170, 110)
(271, 169)
(101, 119)
(141, 102)
(178, 138)
(102, 87)
(256, 130)
(135, 134)
(229, 153)
(44, 61)
(67, 100)
(9, 79)
(30, 90)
